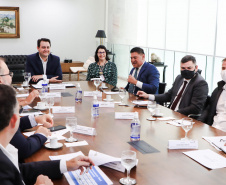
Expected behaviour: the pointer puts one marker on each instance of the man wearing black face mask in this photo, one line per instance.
(189, 91)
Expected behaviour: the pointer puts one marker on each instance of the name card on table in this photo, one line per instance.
(66, 109)
(124, 115)
(106, 104)
(54, 95)
(92, 93)
(183, 144)
(56, 86)
(85, 130)
(110, 92)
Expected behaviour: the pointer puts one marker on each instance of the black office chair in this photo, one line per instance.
(162, 87)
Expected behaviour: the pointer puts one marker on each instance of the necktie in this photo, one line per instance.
(131, 86)
(178, 96)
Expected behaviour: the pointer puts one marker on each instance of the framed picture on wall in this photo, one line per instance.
(9, 22)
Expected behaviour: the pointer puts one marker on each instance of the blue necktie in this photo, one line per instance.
(131, 86)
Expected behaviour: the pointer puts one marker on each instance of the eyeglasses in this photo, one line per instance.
(10, 74)
(101, 52)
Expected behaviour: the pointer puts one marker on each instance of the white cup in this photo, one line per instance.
(157, 111)
(25, 83)
(53, 142)
(108, 97)
(41, 105)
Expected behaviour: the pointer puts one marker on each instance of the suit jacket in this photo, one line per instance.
(35, 67)
(9, 174)
(26, 146)
(210, 111)
(193, 98)
(149, 75)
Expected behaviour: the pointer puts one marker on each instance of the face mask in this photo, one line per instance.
(187, 74)
(223, 75)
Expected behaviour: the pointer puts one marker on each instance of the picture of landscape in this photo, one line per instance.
(7, 22)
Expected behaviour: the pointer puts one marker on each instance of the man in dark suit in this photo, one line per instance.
(144, 76)
(17, 174)
(189, 91)
(27, 146)
(44, 63)
(214, 114)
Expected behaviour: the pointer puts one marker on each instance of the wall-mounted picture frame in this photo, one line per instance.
(9, 22)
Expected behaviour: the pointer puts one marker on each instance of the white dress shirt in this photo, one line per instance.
(139, 83)
(219, 120)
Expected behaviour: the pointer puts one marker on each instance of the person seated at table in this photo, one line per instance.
(189, 91)
(25, 173)
(215, 112)
(102, 68)
(144, 76)
(44, 63)
(27, 146)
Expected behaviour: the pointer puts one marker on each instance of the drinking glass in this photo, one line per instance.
(50, 103)
(122, 94)
(128, 160)
(71, 124)
(97, 82)
(151, 107)
(187, 125)
(27, 77)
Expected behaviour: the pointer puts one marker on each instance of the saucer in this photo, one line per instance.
(108, 100)
(158, 115)
(151, 119)
(47, 145)
(45, 108)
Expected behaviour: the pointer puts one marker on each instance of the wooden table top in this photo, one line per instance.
(164, 167)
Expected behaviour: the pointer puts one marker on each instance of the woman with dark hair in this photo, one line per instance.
(102, 68)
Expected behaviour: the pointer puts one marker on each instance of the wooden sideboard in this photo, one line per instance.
(66, 66)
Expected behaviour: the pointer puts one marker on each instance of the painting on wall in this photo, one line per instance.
(9, 22)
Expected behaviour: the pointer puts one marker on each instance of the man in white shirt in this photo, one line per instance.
(215, 112)
(189, 91)
(19, 174)
(44, 63)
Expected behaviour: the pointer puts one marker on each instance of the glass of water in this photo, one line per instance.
(187, 125)
(151, 107)
(97, 82)
(50, 103)
(71, 124)
(27, 77)
(122, 94)
(128, 160)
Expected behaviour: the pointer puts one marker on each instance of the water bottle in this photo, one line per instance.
(95, 107)
(44, 84)
(135, 128)
(78, 93)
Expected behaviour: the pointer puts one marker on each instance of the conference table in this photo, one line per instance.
(160, 168)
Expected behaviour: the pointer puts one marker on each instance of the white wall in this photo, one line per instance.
(71, 25)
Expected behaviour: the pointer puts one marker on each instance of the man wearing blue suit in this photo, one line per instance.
(144, 76)
(44, 63)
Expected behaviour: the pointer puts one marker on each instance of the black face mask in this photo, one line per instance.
(187, 74)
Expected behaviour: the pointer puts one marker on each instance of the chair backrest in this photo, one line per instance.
(88, 62)
(162, 87)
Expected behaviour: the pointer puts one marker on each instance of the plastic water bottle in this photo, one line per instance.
(95, 107)
(135, 128)
(44, 84)
(78, 93)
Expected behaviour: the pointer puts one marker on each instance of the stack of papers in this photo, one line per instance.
(94, 176)
(217, 142)
(207, 158)
(80, 143)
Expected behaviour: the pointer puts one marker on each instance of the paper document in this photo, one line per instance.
(106, 160)
(217, 142)
(124, 115)
(92, 93)
(140, 102)
(30, 113)
(66, 109)
(21, 95)
(207, 158)
(56, 86)
(175, 122)
(79, 143)
(94, 176)
(166, 118)
(68, 84)
(110, 92)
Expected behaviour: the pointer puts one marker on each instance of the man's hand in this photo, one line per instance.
(35, 78)
(54, 80)
(43, 130)
(132, 80)
(142, 94)
(45, 119)
(34, 94)
(43, 180)
(78, 163)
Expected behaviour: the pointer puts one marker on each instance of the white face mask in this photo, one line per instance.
(223, 75)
